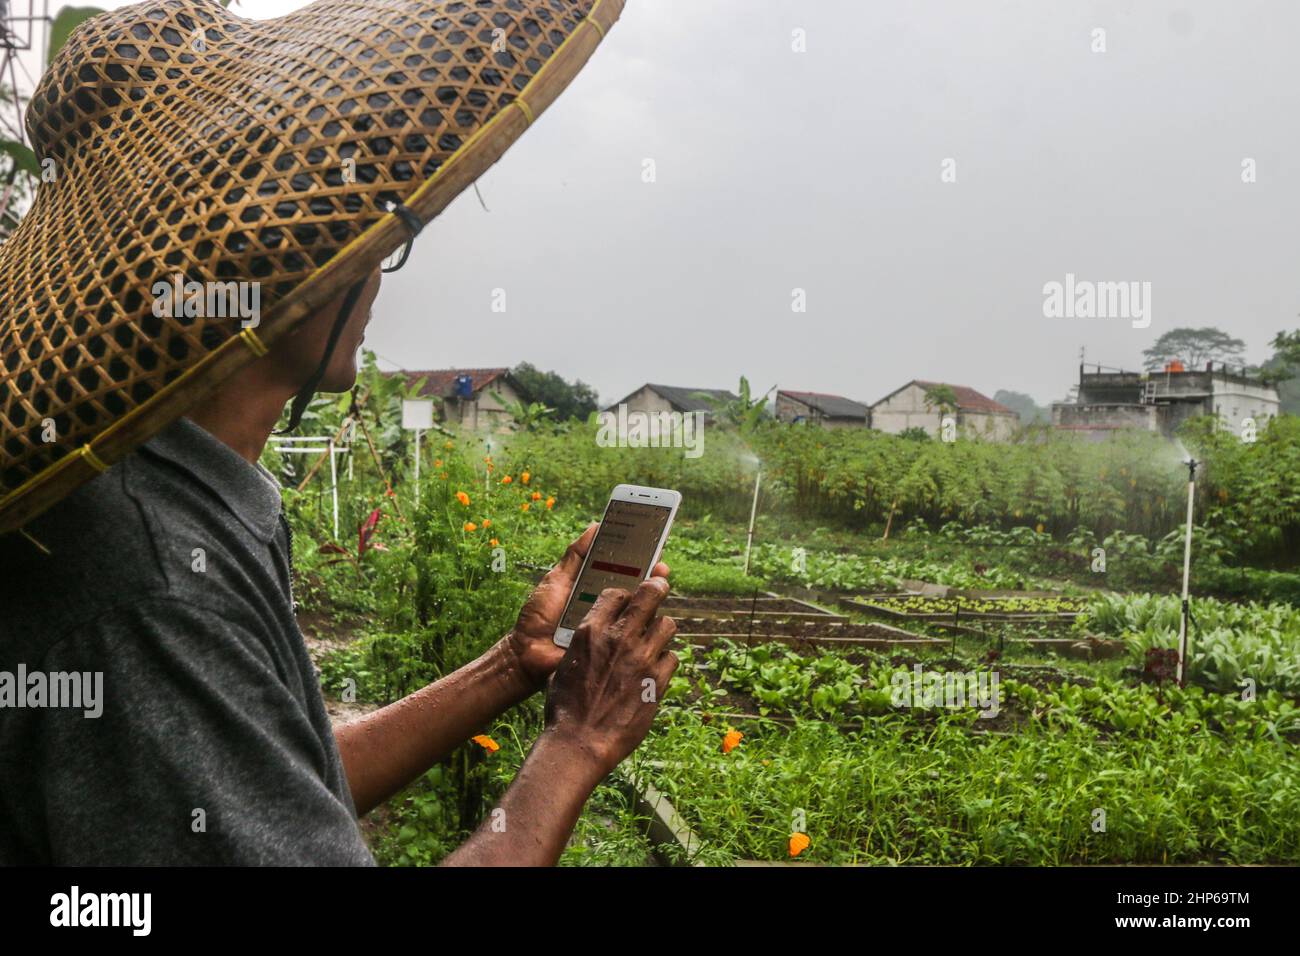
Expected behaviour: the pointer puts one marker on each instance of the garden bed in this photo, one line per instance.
(957, 609)
(767, 607)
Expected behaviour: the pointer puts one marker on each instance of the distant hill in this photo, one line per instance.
(1030, 412)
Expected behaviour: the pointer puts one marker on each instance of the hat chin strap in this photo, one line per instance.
(304, 396)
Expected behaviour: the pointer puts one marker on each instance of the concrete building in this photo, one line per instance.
(471, 398)
(976, 415)
(1111, 399)
(818, 408)
(654, 399)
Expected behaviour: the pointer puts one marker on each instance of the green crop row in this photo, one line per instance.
(1230, 644)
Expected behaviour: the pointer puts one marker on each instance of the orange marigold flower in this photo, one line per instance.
(524, 476)
(506, 480)
(524, 506)
(486, 742)
(798, 843)
(462, 498)
(437, 463)
(487, 522)
(470, 526)
(550, 503)
(537, 496)
(494, 542)
(731, 740)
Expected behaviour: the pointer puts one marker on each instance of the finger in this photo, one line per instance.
(645, 602)
(663, 671)
(568, 566)
(609, 605)
(661, 571)
(659, 635)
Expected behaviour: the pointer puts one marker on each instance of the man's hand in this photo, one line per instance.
(608, 687)
(531, 647)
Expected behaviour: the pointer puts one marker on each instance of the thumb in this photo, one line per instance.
(569, 564)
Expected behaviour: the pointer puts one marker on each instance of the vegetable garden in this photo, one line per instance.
(813, 719)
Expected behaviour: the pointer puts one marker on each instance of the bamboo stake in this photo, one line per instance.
(890, 520)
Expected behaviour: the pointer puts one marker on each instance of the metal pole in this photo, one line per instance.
(334, 488)
(753, 511)
(1187, 574)
(417, 467)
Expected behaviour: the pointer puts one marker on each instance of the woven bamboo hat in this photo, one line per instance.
(291, 154)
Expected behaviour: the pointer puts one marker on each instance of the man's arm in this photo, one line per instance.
(597, 711)
(386, 750)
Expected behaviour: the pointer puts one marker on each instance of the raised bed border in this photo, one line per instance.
(956, 617)
(794, 640)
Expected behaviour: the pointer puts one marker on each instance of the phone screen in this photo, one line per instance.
(620, 556)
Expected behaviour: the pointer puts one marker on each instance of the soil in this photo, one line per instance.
(323, 634)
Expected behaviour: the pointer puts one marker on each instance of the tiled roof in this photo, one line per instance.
(969, 400)
(441, 382)
(832, 406)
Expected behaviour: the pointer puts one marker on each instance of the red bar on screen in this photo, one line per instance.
(616, 568)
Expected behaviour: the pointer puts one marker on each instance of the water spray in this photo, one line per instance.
(1185, 620)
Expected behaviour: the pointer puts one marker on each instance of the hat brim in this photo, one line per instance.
(80, 453)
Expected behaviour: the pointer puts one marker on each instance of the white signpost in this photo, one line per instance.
(296, 445)
(417, 416)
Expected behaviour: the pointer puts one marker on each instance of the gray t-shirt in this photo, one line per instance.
(170, 575)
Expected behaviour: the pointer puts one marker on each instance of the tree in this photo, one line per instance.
(527, 417)
(577, 400)
(1287, 347)
(1193, 347)
(941, 397)
(1280, 370)
(1030, 412)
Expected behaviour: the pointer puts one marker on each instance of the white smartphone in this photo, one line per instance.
(628, 543)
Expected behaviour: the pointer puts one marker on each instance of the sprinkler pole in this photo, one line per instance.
(1187, 573)
(417, 468)
(753, 511)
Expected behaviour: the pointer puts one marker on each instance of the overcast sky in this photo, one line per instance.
(821, 170)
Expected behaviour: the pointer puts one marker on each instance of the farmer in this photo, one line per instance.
(147, 574)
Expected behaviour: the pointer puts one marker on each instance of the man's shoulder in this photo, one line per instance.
(110, 543)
